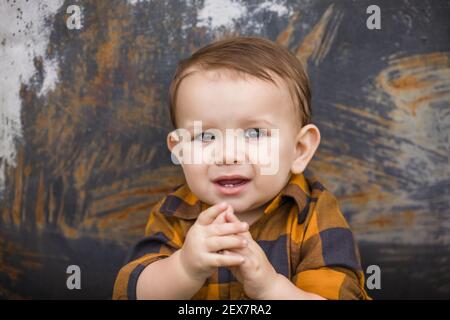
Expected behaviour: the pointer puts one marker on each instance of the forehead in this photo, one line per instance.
(220, 96)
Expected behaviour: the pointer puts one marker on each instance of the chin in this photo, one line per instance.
(238, 206)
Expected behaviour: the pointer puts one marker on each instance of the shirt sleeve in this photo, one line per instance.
(329, 258)
(162, 238)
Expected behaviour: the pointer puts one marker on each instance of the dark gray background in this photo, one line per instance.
(91, 157)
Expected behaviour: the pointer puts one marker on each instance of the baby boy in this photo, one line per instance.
(247, 224)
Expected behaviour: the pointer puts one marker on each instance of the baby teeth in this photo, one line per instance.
(229, 185)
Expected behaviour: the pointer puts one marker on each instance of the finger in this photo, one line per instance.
(214, 244)
(230, 216)
(221, 217)
(208, 216)
(232, 253)
(246, 252)
(227, 228)
(236, 270)
(243, 251)
(221, 260)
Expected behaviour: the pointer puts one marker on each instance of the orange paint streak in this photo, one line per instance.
(365, 114)
(122, 215)
(68, 231)
(285, 36)
(83, 169)
(408, 82)
(427, 99)
(39, 209)
(318, 42)
(416, 81)
(380, 222)
(18, 188)
(405, 219)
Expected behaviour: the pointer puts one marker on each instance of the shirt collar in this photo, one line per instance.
(184, 204)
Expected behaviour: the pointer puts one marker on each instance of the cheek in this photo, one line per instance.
(264, 151)
(195, 172)
(286, 145)
(196, 177)
(198, 153)
(286, 152)
(277, 150)
(268, 186)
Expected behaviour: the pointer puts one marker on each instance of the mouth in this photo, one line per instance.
(229, 185)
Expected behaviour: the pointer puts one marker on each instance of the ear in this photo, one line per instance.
(172, 140)
(306, 144)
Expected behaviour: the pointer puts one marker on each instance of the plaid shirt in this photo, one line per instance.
(302, 232)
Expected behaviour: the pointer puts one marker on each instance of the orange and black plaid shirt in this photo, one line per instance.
(302, 231)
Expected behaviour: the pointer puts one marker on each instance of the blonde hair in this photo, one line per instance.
(255, 56)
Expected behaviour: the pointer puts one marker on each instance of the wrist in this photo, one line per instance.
(270, 289)
(283, 288)
(188, 270)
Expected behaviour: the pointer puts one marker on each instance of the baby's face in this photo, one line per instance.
(221, 101)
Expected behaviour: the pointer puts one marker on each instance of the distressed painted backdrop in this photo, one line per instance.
(83, 121)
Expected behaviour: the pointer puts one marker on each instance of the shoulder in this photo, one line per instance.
(167, 214)
(325, 208)
(328, 229)
(169, 203)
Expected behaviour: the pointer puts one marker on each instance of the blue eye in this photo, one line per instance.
(255, 133)
(205, 137)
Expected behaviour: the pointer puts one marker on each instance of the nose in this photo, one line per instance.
(233, 152)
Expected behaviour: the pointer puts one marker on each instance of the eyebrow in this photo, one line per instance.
(258, 121)
(246, 123)
(190, 127)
